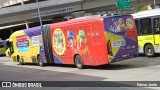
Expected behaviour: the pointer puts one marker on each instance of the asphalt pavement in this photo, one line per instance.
(137, 69)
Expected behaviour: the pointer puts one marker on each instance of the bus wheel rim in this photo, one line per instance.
(40, 62)
(79, 63)
(149, 51)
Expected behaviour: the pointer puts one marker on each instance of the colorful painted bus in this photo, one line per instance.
(148, 26)
(85, 41)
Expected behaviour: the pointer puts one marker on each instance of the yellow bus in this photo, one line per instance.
(25, 46)
(148, 26)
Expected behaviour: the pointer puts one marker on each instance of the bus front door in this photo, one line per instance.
(157, 39)
(156, 28)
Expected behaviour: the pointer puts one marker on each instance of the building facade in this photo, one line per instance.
(21, 14)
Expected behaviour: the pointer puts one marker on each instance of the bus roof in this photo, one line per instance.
(99, 16)
(89, 18)
(20, 32)
(148, 13)
(78, 20)
(17, 33)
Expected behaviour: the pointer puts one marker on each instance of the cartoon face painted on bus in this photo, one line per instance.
(82, 42)
(118, 26)
(81, 39)
(115, 26)
(122, 25)
(59, 43)
(70, 36)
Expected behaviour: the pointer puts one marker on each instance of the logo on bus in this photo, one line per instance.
(36, 40)
(129, 23)
(59, 43)
(21, 38)
(119, 43)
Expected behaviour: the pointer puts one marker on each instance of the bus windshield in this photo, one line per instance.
(7, 44)
(1, 44)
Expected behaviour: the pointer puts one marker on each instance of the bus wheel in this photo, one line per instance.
(19, 61)
(149, 50)
(9, 54)
(40, 61)
(78, 62)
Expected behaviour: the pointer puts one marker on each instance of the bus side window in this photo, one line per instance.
(1, 45)
(146, 27)
(7, 45)
(156, 26)
(137, 25)
(11, 48)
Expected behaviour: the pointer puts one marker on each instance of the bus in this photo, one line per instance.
(5, 47)
(89, 41)
(148, 26)
(2, 49)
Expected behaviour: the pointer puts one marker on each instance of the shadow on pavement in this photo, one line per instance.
(51, 65)
(139, 62)
(2, 55)
(110, 67)
(143, 55)
(11, 73)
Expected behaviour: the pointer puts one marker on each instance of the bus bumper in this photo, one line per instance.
(157, 48)
(141, 49)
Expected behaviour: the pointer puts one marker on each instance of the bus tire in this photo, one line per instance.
(149, 50)
(9, 54)
(40, 61)
(78, 62)
(19, 61)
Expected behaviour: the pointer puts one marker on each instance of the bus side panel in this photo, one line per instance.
(58, 44)
(35, 44)
(77, 42)
(84, 42)
(2, 50)
(14, 48)
(99, 43)
(70, 40)
(143, 40)
(121, 37)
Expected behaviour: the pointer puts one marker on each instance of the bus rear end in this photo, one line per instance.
(121, 37)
